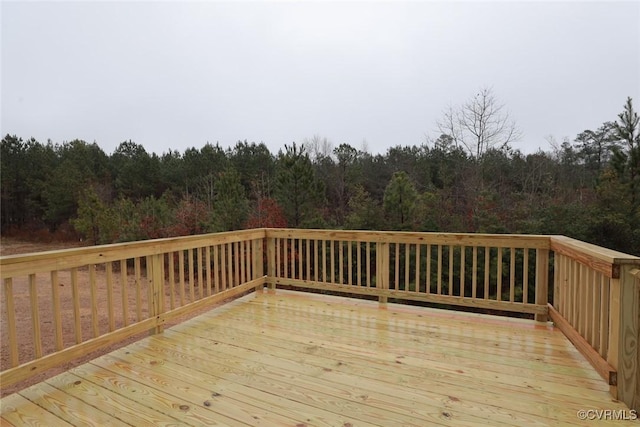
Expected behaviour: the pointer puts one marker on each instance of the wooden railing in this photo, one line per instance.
(497, 272)
(142, 285)
(596, 303)
(595, 294)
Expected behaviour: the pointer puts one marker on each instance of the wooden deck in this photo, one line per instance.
(299, 359)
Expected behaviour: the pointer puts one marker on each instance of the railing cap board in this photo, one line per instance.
(603, 260)
(22, 264)
(529, 241)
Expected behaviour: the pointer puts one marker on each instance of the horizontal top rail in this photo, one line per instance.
(603, 260)
(600, 259)
(15, 265)
(528, 241)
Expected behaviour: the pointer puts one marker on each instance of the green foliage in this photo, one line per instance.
(364, 211)
(255, 165)
(297, 190)
(231, 205)
(135, 172)
(399, 201)
(95, 220)
(587, 188)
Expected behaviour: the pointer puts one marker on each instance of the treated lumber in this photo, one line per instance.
(20, 265)
(19, 373)
(414, 296)
(456, 239)
(605, 261)
(18, 411)
(69, 408)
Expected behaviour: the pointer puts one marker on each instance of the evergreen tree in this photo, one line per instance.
(230, 203)
(297, 189)
(399, 201)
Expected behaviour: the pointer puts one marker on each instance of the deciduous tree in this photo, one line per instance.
(479, 124)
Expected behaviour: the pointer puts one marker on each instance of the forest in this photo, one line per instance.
(468, 179)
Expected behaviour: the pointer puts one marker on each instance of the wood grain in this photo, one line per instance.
(290, 358)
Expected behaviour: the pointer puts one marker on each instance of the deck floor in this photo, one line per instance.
(299, 359)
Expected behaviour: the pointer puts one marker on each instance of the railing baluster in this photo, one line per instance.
(407, 258)
(359, 262)
(499, 275)
(110, 310)
(417, 285)
(216, 269)
(300, 259)
(463, 253)
(237, 263)
(487, 271)
(57, 321)
(229, 250)
(525, 276)
(512, 275)
(604, 316)
(350, 262)
(451, 258)
(474, 272)
(368, 255)
(595, 310)
(199, 265)
(308, 259)
(340, 262)
(172, 280)
(332, 255)
(124, 290)
(285, 257)
(242, 259)
(93, 286)
(439, 270)
(277, 257)
(11, 322)
(428, 272)
(35, 316)
(181, 268)
(191, 262)
(76, 305)
(316, 259)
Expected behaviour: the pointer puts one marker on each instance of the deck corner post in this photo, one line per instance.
(271, 262)
(624, 336)
(156, 304)
(257, 261)
(542, 282)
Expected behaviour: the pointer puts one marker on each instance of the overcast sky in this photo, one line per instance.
(174, 75)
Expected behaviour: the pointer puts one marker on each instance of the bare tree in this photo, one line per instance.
(318, 147)
(480, 124)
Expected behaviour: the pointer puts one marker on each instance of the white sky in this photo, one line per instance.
(173, 75)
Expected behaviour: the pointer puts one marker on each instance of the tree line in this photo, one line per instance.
(468, 179)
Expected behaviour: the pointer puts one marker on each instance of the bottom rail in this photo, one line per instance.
(603, 367)
(29, 369)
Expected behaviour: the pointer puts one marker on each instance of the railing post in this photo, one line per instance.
(156, 284)
(382, 269)
(542, 281)
(257, 261)
(271, 262)
(624, 335)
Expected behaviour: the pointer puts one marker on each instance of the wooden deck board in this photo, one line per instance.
(297, 359)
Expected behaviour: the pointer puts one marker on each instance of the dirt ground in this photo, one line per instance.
(136, 297)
